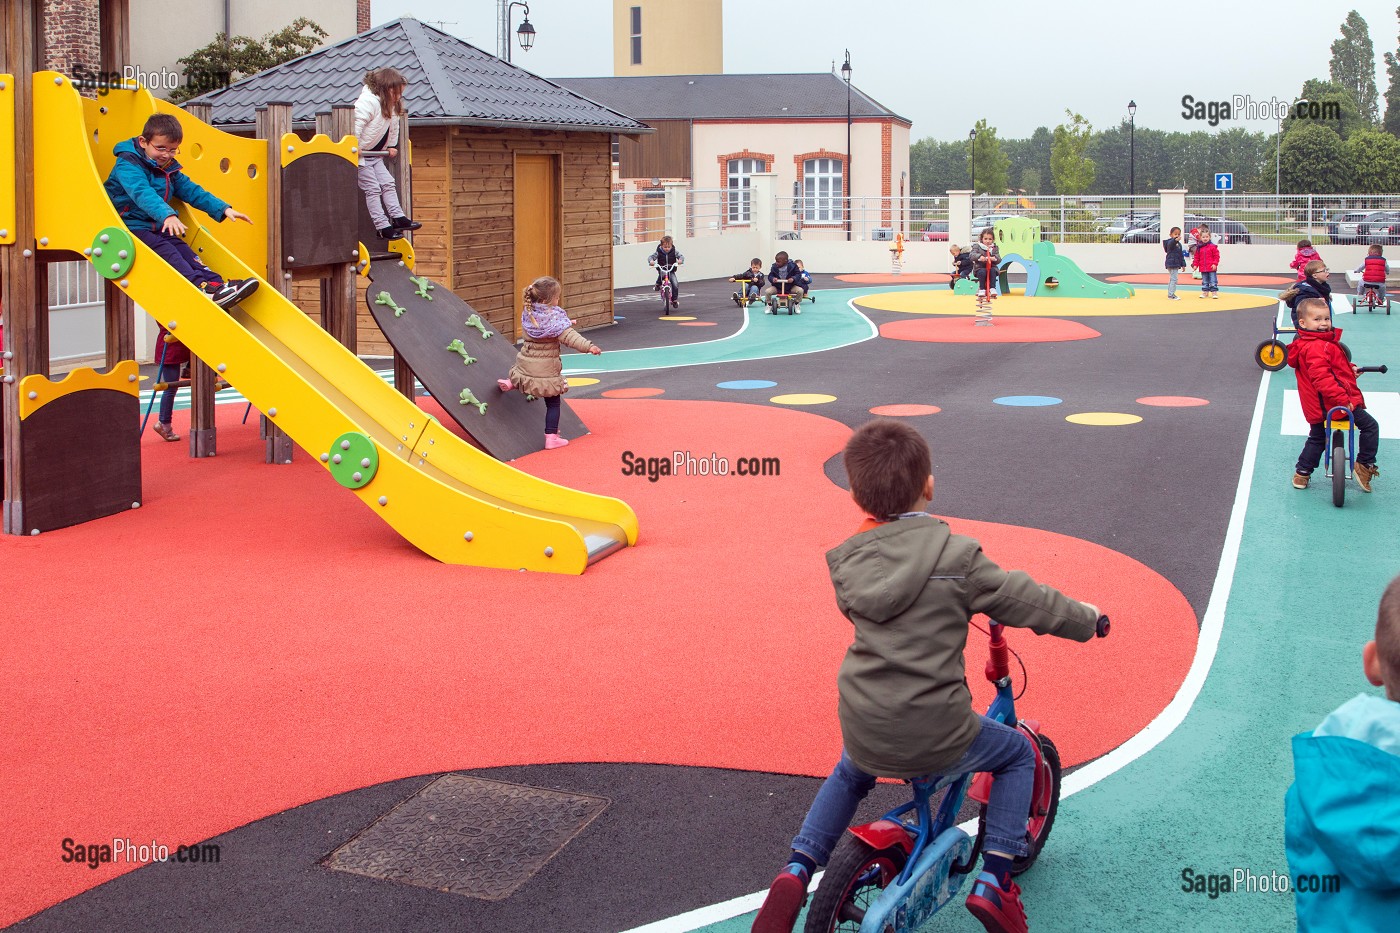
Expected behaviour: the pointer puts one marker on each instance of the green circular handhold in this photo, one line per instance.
(359, 464)
(120, 240)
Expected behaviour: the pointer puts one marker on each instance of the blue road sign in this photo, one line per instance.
(1224, 181)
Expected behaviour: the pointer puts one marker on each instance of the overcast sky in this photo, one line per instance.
(932, 63)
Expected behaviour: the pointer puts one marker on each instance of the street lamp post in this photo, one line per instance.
(525, 34)
(846, 74)
(972, 165)
(1132, 160)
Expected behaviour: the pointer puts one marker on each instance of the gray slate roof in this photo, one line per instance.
(449, 82)
(730, 97)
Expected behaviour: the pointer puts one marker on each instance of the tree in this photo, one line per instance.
(1392, 90)
(1312, 161)
(1373, 162)
(936, 168)
(1353, 64)
(227, 59)
(1030, 180)
(1070, 167)
(1327, 96)
(990, 164)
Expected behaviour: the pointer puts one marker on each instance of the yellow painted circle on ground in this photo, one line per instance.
(802, 398)
(1103, 418)
(1145, 302)
(578, 381)
(675, 317)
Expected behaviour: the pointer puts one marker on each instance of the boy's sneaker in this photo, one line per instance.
(403, 223)
(165, 431)
(1300, 480)
(735, 296)
(231, 292)
(1364, 474)
(389, 233)
(999, 909)
(784, 902)
(1174, 297)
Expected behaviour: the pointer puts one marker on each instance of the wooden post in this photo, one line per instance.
(273, 121)
(339, 313)
(204, 434)
(114, 54)
(398, 167)
(21, 32)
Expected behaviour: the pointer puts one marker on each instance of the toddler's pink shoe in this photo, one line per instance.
(554, 442)
(504, 385)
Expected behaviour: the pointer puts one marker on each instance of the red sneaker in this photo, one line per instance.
(782, 905)
(999, 909)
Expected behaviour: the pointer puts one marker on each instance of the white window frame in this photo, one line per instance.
(823, 194)
(738, 201)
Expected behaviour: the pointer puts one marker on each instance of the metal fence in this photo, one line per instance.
(708, 210)
(73, 285)
(864, 218)
(638, 216)
(1284, 219)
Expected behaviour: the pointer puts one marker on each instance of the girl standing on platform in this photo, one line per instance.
(377, 128)
(538, 371)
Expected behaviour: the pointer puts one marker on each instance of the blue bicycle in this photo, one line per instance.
(891, 875)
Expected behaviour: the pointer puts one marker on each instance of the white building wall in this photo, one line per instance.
(159, 37)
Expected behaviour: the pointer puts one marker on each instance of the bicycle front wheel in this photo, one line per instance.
(854, 878)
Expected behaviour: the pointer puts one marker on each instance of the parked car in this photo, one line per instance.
(935, 230)
(986, 220)
(1346, 226)
(1123, 223)
(1223, 232)
(1382, 228)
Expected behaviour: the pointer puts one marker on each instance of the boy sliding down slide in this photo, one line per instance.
(145, 177)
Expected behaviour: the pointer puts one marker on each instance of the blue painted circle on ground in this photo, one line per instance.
(1028, 401)
(746, 384)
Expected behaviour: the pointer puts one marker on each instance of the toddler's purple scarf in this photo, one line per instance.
(542, 322)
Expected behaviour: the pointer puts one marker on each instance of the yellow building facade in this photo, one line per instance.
(668, 37)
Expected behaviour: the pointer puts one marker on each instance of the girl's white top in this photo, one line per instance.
(370, 122)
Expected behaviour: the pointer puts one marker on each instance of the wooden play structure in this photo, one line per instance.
(450, 498)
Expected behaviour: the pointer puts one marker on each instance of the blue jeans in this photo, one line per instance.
(1208, 282)
(1366, 447)
(1002, 750)
(1171, 282)
(169, 374)
(751, 291)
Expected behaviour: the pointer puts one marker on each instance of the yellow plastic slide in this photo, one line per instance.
(449, 499)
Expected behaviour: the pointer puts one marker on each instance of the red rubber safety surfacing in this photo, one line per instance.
(1003, 330)
(1186, 281)
(253, 638)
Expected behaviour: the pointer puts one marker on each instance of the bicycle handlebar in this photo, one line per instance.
(1101, 627)
(1372, 369)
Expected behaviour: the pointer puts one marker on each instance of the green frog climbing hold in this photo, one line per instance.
(384, 298)
(423, 284)
(476, 321)
(457, 346)
(467, 398)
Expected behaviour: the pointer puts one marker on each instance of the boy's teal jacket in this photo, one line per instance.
(1342, 817)
(142, 190)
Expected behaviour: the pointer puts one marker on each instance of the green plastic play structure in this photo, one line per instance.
(1048, 274)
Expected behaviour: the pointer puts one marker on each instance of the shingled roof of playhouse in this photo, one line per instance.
(449, 82)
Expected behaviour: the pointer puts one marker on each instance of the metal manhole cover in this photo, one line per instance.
(468, 835)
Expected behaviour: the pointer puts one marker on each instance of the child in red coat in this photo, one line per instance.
(1326, 381)
(1305, 255)
(1206, 258)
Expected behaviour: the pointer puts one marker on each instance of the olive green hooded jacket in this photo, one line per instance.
(909, 587)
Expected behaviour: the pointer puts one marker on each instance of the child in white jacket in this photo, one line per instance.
(377, 128)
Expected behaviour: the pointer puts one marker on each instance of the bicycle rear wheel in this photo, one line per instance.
(1339, 470)
(854, 878)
